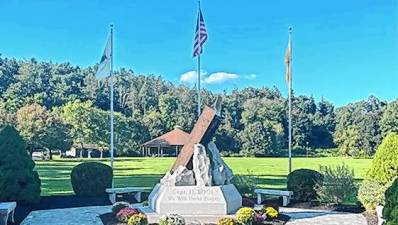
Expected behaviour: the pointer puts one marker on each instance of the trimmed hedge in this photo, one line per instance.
(390, 211)
(302, 183)
(18, 180)
(91, 178)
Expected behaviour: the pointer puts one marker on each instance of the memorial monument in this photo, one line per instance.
(199, 182)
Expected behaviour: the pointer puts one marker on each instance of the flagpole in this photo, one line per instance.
(111, 101)
(199, 100)
(290, 101)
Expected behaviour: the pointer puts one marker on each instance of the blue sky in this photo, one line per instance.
(342, 50)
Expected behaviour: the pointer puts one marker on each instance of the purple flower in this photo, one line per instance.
(258, 217)
(124, 214)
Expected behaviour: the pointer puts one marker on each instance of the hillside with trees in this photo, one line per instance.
(57, 105)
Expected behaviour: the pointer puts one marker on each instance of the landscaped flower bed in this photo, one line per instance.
(266, 215)
(124, 214)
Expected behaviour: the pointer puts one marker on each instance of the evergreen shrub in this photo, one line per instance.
(18, 180)
(302, 183)
(91, 178)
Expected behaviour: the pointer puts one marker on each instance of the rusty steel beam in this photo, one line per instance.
(202, 133)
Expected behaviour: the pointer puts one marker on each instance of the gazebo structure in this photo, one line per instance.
(168, 144)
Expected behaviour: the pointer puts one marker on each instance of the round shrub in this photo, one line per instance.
(302, 183)
(172, 219)
(18, 180)
(245, 215)
(138, 219)
(384, 166)
(116, 207)
(91, 178)
(390, 211)
(371, 194)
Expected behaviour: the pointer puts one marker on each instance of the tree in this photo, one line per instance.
(5, 116)
(57, 136)
(349, 142)
(168, 106)
(226, 138)
(389, 119)
(32, 123)
(159, 105)
(8, 71)
(187, 110)
(256, 139)
(76, 114)
(269, 113)
(303, 111)
(153, 120)
(324, 126)
(129, 135)
(361, 119)
(41, 129)
(18, 180)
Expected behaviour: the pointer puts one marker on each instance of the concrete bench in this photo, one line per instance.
(286, 195)
(113, 192)
(7, 208)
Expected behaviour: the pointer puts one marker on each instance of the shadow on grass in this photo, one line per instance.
(263, 181)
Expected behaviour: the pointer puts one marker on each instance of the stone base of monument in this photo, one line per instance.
(195, 200)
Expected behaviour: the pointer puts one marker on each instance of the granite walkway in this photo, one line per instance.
(90, 216)
(322, 217)
(70, 216)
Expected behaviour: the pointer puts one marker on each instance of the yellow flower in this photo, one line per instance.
(271, 212)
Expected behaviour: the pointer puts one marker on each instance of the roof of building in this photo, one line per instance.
(172, 138)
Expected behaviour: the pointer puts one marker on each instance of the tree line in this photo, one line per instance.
(55, 105)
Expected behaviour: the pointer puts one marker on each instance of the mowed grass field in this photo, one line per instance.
(146, 172)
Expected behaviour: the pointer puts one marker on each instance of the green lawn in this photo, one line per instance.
(146, 172)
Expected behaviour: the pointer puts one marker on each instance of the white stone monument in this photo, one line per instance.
(199, 182)
(205, 190)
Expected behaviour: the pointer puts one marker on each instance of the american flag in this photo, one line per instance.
(199, 32)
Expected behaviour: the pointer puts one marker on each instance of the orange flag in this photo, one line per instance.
(288, 61)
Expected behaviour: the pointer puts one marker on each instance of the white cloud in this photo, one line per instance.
(189, 77)
(220, 77)
(251, 76)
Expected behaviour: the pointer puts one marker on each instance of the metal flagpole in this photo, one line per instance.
(200, 50)
(290, 100)
(111, 100)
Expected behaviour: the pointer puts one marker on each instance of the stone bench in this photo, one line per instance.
(286, 195)
(7, 208)
(113, 192)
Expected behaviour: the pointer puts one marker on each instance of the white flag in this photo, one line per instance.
(104, 68)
